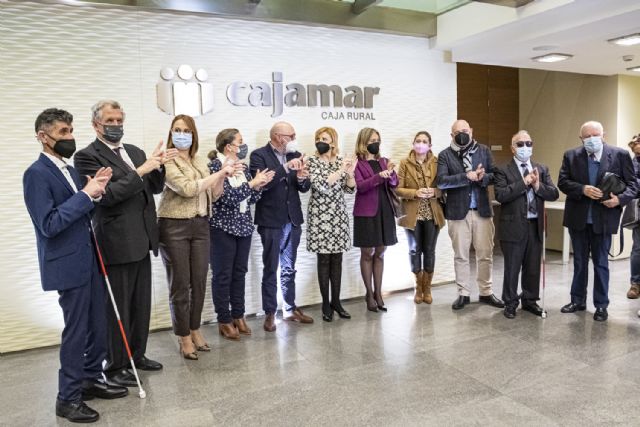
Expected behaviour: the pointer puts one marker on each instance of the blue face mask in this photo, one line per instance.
(182, 141)
(593, 144)
(524, 153)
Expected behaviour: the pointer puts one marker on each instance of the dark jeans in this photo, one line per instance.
(84, 337)
(635, 256)
(229, 258)
(422, 246)
(585, 242)
(184, 246)
(522, 255)
(279, 245)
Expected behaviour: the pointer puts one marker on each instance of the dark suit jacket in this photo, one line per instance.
(452, 180)
(511, 192)
(125, 220)
(280, 201)
(574, 175)
(62, 222)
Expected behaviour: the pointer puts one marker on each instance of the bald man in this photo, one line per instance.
(591, 216)
(279, 219)
(465, 171)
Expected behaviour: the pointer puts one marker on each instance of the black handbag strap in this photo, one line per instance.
(621, 231)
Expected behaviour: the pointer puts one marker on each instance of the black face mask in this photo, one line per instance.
(462, 139)
(243, 150)
(64, 147)
(322, 147)
(113, 133)
(373, 148)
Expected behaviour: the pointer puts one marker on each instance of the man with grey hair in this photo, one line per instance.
(522, 186)
(591, 216)
(126, 227)
(279, 219)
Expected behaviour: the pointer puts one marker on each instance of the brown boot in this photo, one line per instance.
(417, 297)
(242, 326)
(426, 287)
(634, 291)
(228, 331)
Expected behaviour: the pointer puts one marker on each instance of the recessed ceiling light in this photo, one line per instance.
(545, 47)
(552, 57)
(635, 69)
(628, 40)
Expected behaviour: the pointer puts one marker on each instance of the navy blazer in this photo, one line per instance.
(574, 175)
(280, 201)
(62, 222)
(453, 181)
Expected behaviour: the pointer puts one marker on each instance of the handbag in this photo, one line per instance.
(611, 183)
(396, 203)
(631, 214)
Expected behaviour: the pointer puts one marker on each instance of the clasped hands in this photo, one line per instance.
(159, 157)
(387, 173)
(533, 179)
(595, 193)
(476, 175)
(97, 185)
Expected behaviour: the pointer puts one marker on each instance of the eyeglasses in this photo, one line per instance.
(521, 144)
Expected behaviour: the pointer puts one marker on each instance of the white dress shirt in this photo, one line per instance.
(63, 166)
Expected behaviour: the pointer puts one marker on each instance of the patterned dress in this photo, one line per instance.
(328, 228)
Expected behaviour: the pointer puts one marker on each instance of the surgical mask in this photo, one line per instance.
(462, 139)
(421, 148)
(182, 141)
(64, 147)
(243, 150)
(292, 146)
(373, 148)
(593, 144)
(322, 147)
(113, 133)
(524, 153)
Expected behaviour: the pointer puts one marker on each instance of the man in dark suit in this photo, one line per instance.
(279, 220)
(522, 186)
(465, 171)
(591, 216)
(125, 223)
(60, 209)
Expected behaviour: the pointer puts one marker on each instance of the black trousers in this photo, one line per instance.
(522, 255)
(330, 277)
(131, 285)
(422, 246)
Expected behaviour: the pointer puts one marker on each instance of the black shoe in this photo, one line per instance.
(600, 315)
(123, 377)
(533, 308)
(382, 308)
(76, 412)
(102, 390)
(509, 312)
(344, 314)
(327, 317)
(460, 302)
(572, 307)
(492, 300)
(145, 364)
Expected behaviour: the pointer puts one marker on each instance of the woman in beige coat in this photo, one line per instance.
(423, 212)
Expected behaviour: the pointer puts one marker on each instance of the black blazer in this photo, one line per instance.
(452, 180)
(511, 192)
(574, 175)
(125, 219)
(280, 201)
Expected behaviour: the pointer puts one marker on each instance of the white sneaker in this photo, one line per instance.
(638, 313)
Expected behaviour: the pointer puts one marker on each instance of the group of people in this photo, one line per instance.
(103, 209)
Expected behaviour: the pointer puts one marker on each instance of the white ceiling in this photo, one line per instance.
(496, 35)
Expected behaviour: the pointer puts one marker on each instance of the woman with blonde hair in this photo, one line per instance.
(424, 216)
(327, 220)
(374, 225)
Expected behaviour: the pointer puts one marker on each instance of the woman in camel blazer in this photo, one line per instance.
(424, 216)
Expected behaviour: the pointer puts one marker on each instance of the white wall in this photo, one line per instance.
(71, 56)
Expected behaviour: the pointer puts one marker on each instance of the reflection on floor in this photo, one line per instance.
(415, 365)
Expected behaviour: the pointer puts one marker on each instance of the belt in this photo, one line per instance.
(473, 209)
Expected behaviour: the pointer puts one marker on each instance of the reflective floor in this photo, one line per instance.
(415, 365)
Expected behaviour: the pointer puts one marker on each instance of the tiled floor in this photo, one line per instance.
(415, 365)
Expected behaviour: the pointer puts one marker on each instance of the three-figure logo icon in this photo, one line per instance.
(189, 93)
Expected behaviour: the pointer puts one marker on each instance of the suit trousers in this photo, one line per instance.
(585, 242)
(184, 247)
(229, 258)
(635, 256)
(84, 337)
(422, 245)
(477, 231)
(279, 245)
(131, 286)
(524, 255)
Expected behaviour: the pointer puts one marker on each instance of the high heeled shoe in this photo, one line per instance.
(371, 305)
(381, 307)
(344, 314)
(189, 356)
(201, 347)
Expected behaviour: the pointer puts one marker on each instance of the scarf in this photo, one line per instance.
(465, 153)
(235, 182)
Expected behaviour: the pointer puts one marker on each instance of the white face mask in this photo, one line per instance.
(292, 146)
